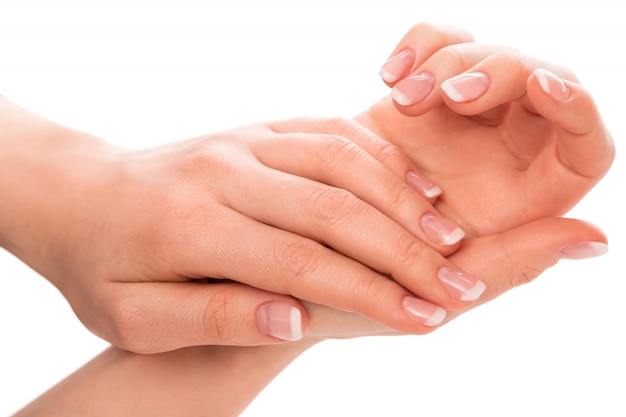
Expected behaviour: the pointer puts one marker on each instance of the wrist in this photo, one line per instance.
(47, 174)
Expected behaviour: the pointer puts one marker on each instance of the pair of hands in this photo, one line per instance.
(209, 240)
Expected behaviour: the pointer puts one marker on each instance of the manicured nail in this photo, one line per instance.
(423, 312)
(413, 89)
(422, 185)
(459, 284)
(466, 87)
(397, 66)
(440, 230)
(280, 319)
(584, 250)
(552, 85)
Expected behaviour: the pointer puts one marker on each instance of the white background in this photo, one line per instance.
(139, 73)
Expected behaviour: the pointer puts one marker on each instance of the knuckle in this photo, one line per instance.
(400, 196)
(297, 260)
(513, 62)
(410, 251)
(524, 275)
(220, 320)
(454, 58)
(332, 205)
(365, 291)
(385, 152)
(337, 151)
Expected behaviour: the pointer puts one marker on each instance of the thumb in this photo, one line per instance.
(518, 256)
(159, 317)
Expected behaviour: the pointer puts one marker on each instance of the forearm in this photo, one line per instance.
(45, 174)
(207, 380)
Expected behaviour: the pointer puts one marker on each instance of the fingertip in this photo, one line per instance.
(397, 66)
(423, 312)
(419, 43)
(552, 85)
(584, 250)
(424, 186)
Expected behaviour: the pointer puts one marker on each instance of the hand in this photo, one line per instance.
(222, 380)
(508, 142)
(508, 161)
(504, 261)
(129, 236)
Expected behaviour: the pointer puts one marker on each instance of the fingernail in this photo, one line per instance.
(413, 89)
(440, 230)
(552, 85)
(584, 250)
(466, 87)
(459, 284)
(422, 185)
(281, 320)
(423, 312)
(397, 66)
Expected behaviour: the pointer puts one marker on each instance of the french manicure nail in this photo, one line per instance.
(397, 66)
(423, 312)
(552, 85)
(460, 284)
(422, 185)
(466, 87)
(280, 319)
(413, 89)
(584, 250)
(440, 230)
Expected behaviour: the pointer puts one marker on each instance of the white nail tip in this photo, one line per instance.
(400, 98)
(454, 237)
(387, 76)
(436, 318)
(543, 77)
(433, 192)
(452, 92)
(475, 292)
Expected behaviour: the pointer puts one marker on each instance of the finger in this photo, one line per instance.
(381, 150)
(497, 79)
(421, 91)
(507, 260)
(584, 145)
(338, 219)
(285, 263)
(360, 184)
(418, 44)
(152, 317)
(520, 255)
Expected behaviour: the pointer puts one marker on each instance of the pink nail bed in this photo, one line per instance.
(584, 250)
(413, 90)
(460, 284)
(422, 185)
(423, 312)
(397, 66)
(440, 230)
(281, 320)
(466, 87)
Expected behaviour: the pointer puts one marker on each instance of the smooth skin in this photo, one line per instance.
(221, 381)
(300, 208)
(513, 154)
(504, 259)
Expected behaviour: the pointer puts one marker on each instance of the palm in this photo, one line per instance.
(495, 176)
